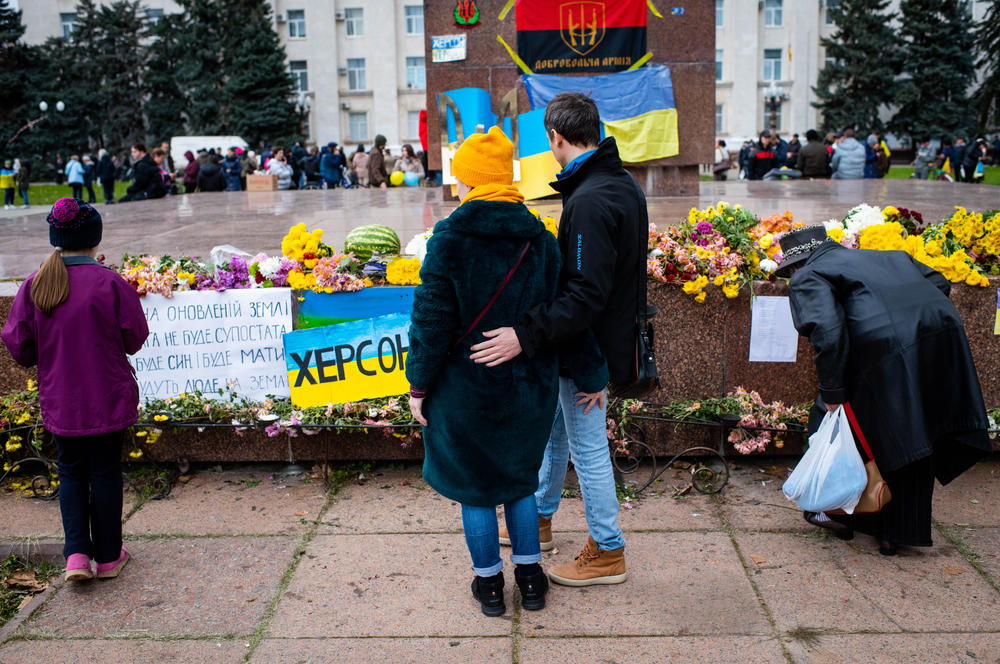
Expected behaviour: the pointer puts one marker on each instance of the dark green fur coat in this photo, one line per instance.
(488, 426)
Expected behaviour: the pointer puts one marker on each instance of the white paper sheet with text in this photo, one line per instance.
(773, 337)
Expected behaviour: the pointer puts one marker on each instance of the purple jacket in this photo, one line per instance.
(85, 383)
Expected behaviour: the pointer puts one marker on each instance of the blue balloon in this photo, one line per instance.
(411, 179)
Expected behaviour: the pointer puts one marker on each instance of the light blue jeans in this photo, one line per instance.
(482, 535)
(585, 439)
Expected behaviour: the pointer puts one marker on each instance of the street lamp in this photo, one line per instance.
(773, 96)
(43, 106)
(303, 104)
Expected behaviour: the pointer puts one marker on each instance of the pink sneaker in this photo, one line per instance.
(78, 567)
(112, 569)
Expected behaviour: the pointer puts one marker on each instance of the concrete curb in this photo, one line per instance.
(36, 551)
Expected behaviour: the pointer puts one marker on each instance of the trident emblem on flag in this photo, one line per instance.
(581, 25)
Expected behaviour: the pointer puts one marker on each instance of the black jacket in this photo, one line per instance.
(813, 160)
(603, 235)
(762, 159)
(889, 341)
(147, 179)
(211, 177)
(106, 168)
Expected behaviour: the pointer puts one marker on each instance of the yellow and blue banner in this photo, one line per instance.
(363, 359)
(636, 107)
(311, 309)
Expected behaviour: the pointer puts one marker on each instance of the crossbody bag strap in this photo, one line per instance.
(857, 429)
(496, 295)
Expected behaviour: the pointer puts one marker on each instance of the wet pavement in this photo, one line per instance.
(191, 225)
(247, 564)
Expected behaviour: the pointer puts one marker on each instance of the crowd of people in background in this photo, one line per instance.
(153, 174)
(843, 155)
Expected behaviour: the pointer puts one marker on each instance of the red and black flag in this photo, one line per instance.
(555, 36)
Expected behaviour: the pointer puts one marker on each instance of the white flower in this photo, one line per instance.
(833, 223)
(768, 265)
(269, 267)
(418, 245)
(861, 217)
(656, 252)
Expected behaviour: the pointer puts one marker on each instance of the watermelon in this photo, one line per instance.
(364, 240)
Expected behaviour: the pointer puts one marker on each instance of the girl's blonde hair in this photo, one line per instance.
(50, 287)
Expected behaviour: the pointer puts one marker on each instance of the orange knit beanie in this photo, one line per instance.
(485, 159)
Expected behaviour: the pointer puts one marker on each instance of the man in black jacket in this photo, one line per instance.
(148, 182)
(602, 238)
(762, 158)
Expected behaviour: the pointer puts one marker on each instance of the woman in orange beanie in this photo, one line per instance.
(485, 428)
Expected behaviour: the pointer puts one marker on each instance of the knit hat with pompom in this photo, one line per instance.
(74, 225)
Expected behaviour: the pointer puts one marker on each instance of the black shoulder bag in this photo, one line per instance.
(644, 377)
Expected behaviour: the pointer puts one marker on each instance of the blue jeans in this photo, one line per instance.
(24, 196)
(482, 535)
(585, 438)
(90, 494)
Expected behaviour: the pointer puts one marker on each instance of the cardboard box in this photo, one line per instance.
(262, 182)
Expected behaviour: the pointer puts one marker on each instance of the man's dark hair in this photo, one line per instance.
(141, 147)
(849, 132)
(812, 135)
(575, 117)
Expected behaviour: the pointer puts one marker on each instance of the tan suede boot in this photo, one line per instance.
(544, 534)
(592, 567)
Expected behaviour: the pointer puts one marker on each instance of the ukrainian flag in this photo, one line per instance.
(636, 107)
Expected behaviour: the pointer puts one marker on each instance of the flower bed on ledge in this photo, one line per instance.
(716, 257)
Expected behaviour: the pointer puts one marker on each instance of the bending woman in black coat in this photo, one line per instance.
(889, 341)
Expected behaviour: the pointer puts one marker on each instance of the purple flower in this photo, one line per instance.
(703, 242)
(236, 275)
(704, 227)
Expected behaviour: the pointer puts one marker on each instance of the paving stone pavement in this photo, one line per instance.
(247, 564)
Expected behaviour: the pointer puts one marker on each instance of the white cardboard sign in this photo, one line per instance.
(206, 341)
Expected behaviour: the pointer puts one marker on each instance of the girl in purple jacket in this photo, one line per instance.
(77, 320)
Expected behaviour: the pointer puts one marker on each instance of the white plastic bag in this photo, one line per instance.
(830, 474)
(222, 254)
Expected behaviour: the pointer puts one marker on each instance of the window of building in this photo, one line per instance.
(772, 13)
(153, 16)
(415, 75)
(718, 118)
(777, 115)
(355, 21)
(356, 74)
(68, 22)
(300, 75)
(296, 23)
(831, 4)
(718, 13)
(414, 19)
(718, 64)
(413, 124)
(357, 126)
(772, 64)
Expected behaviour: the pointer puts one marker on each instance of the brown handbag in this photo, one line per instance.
(876, 493)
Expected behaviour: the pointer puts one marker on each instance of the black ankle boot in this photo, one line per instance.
(533, 584)
(489, 591)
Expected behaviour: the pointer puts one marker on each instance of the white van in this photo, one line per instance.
(181, 144)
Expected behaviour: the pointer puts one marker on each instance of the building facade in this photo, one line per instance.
(770, 50)
(358, 65)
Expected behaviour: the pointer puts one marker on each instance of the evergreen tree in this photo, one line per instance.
(108, 38)
(165, 105)
(987, 96)
(863, 61)
(15, 111)
(257, 87)
(56, 75)
(938, 71)
(199, 71)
